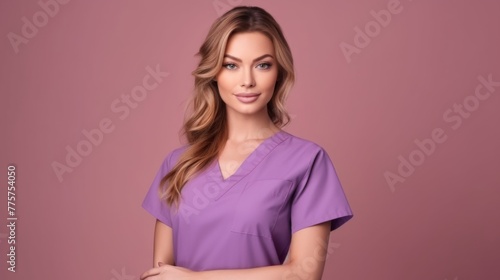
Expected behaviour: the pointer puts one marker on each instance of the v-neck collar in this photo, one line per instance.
(250, 162)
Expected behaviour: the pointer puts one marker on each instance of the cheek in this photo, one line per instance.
(269, 81)
(225, 83)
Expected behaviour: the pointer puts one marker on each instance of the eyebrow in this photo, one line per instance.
(258, 58)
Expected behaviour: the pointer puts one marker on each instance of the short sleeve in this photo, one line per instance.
(319, 197)
(152, 202)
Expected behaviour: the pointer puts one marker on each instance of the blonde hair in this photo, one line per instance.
(205, 128)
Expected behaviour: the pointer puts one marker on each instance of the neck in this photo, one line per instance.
(245, 127)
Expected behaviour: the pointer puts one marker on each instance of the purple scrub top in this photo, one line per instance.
(246, 220)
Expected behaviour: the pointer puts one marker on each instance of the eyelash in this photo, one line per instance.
(263, 63)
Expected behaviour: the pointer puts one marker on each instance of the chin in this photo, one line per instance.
(249, 109)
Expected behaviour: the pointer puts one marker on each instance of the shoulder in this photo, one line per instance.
(302, 145)
(302, 153)
(171, 157)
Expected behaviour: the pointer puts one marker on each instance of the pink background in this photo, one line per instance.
(440, 223)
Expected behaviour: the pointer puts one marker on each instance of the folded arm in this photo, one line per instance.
(163, 247)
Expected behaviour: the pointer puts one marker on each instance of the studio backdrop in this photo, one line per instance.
(403, 95)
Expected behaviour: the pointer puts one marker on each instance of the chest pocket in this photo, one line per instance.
(257, 209)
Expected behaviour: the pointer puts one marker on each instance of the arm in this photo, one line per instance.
(163, 249)
(306, 260)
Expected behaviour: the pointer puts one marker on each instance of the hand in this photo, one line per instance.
(170, 272)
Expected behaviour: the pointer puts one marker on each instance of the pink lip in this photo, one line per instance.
(247, 97)
(245, 94)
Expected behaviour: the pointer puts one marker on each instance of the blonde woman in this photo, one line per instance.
(243, 199)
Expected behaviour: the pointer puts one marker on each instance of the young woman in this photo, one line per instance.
(243, 199)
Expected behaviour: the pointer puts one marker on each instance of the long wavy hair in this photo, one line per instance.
(205, 127)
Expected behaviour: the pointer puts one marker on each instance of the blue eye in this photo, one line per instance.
(266, 65)
(229, 64)
(263, 66)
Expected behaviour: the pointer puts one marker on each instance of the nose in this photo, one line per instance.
(248, 78)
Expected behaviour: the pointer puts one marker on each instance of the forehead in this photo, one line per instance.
(249, 45)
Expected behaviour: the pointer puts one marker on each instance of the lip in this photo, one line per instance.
(247, 97)
(247, 94)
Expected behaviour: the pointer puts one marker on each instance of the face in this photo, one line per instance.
(248, 75)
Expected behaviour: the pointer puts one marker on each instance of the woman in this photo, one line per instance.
(243, 193)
